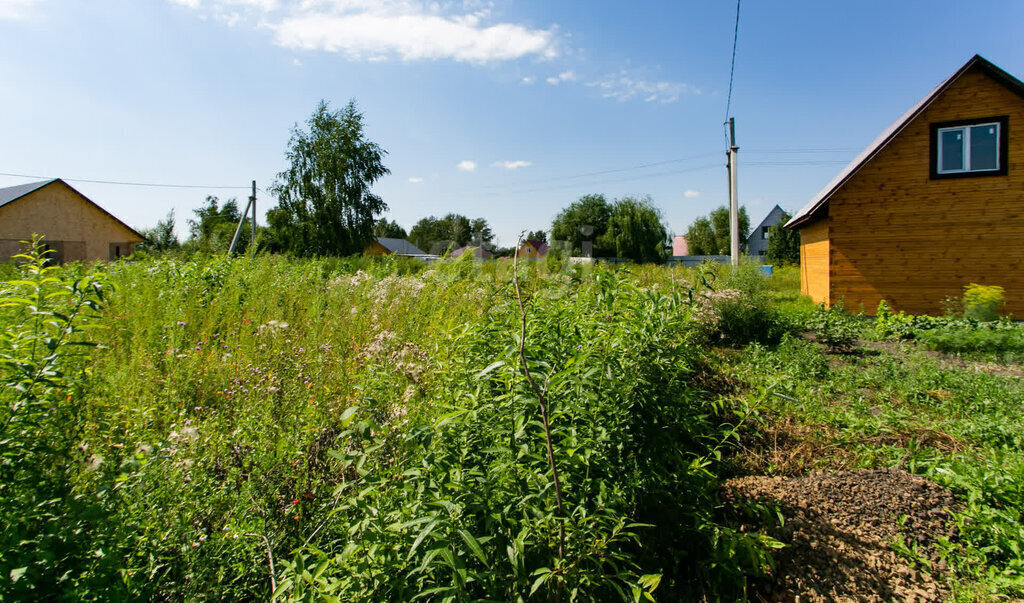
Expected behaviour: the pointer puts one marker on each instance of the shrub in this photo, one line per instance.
(835, 328)
(983, 302)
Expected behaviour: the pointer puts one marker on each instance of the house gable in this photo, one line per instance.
(74, 226)
(894, 231)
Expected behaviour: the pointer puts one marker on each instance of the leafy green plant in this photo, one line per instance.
(835, 328)
(983, 302)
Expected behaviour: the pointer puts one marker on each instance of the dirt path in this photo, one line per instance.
(840, 528)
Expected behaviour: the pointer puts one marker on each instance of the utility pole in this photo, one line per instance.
(241, 220)
(734, 205)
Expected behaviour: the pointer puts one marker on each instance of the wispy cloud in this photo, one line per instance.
(565, 76)
(16, 9)
(690, 194)
(466, 165)
(375, 30)
(512, 165)
(415, 179)
(527, 80)
(623, 87)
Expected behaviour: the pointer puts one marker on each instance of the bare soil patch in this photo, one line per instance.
(840, 528)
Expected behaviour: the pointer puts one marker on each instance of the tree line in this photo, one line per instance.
(325, 207)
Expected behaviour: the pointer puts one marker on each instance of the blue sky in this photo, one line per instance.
(500, 109)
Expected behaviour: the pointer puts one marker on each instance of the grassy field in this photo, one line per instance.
(360, 430)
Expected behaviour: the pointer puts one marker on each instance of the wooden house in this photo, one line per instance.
(73, 227)
(532, 249)
(934, 203)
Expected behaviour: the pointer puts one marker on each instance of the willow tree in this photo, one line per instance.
(325, 205)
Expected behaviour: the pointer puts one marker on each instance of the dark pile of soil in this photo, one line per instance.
(839, 529)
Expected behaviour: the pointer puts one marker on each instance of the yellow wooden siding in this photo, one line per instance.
(60, 214)
(376, 248)
(814, 251)
(898, 235)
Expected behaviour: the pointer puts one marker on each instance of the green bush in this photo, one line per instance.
(835, 328)
(983, 302)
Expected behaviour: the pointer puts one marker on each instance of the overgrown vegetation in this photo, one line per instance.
(363, 429)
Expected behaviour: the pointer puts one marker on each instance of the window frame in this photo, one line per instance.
(1002, 150)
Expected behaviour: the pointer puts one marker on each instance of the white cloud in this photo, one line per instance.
(512, 165)
(565, 76)
(527, 80)
(623, 87)
(690, 194)
(16, 9)
(415, 179)
(384, 29)
(466, 165)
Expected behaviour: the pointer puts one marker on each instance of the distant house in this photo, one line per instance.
(388, 246)
(934, 203)
(532, 249)
(74, 228)
(757, 242)
(478, 252)
(680, 246)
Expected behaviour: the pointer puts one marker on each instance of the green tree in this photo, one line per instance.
(783, 243)
(161, 237)
(391, 230)
(636, 230)
(325, 206)
(537, 235)
(589, 213)
(434, 235)
(710, 235)
(214, 226)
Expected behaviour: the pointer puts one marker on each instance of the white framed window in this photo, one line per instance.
(969, 148)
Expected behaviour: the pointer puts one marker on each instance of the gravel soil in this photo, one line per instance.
(839, 531)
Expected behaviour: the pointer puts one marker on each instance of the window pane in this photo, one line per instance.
(952, 151)
(984, 140)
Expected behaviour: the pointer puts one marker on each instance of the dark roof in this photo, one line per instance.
(13, 193)
(399, 246)
(478, 252)
(540, 246)
(819, 203)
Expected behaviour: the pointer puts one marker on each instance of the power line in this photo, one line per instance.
(602, 172)
(150, 184)
(514, 189)
(732, 67)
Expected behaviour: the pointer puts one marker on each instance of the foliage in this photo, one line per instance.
(710, 235)
(365, 426)
(537, 235)
(737, 309)
(783, 243)
(835, 328)
(435, 235)
(1001, 340)
(56, 504)
(160, 238)
(590, 213)
(389, 229)
(325, 206)
(983, 302)
(214, 226)
(635, 231)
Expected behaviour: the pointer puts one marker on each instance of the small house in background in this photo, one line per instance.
(73, 227)
(532, 249)
(478, 252)
(757, 242)
(933, 204)
(679, 246)
(388, 246)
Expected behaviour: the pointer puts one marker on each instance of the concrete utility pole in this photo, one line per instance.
(241, 220)
(734, 204)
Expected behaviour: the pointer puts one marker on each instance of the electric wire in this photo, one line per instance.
(732, 66)
(121, 183)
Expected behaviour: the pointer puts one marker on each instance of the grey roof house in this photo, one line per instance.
(757, 242)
